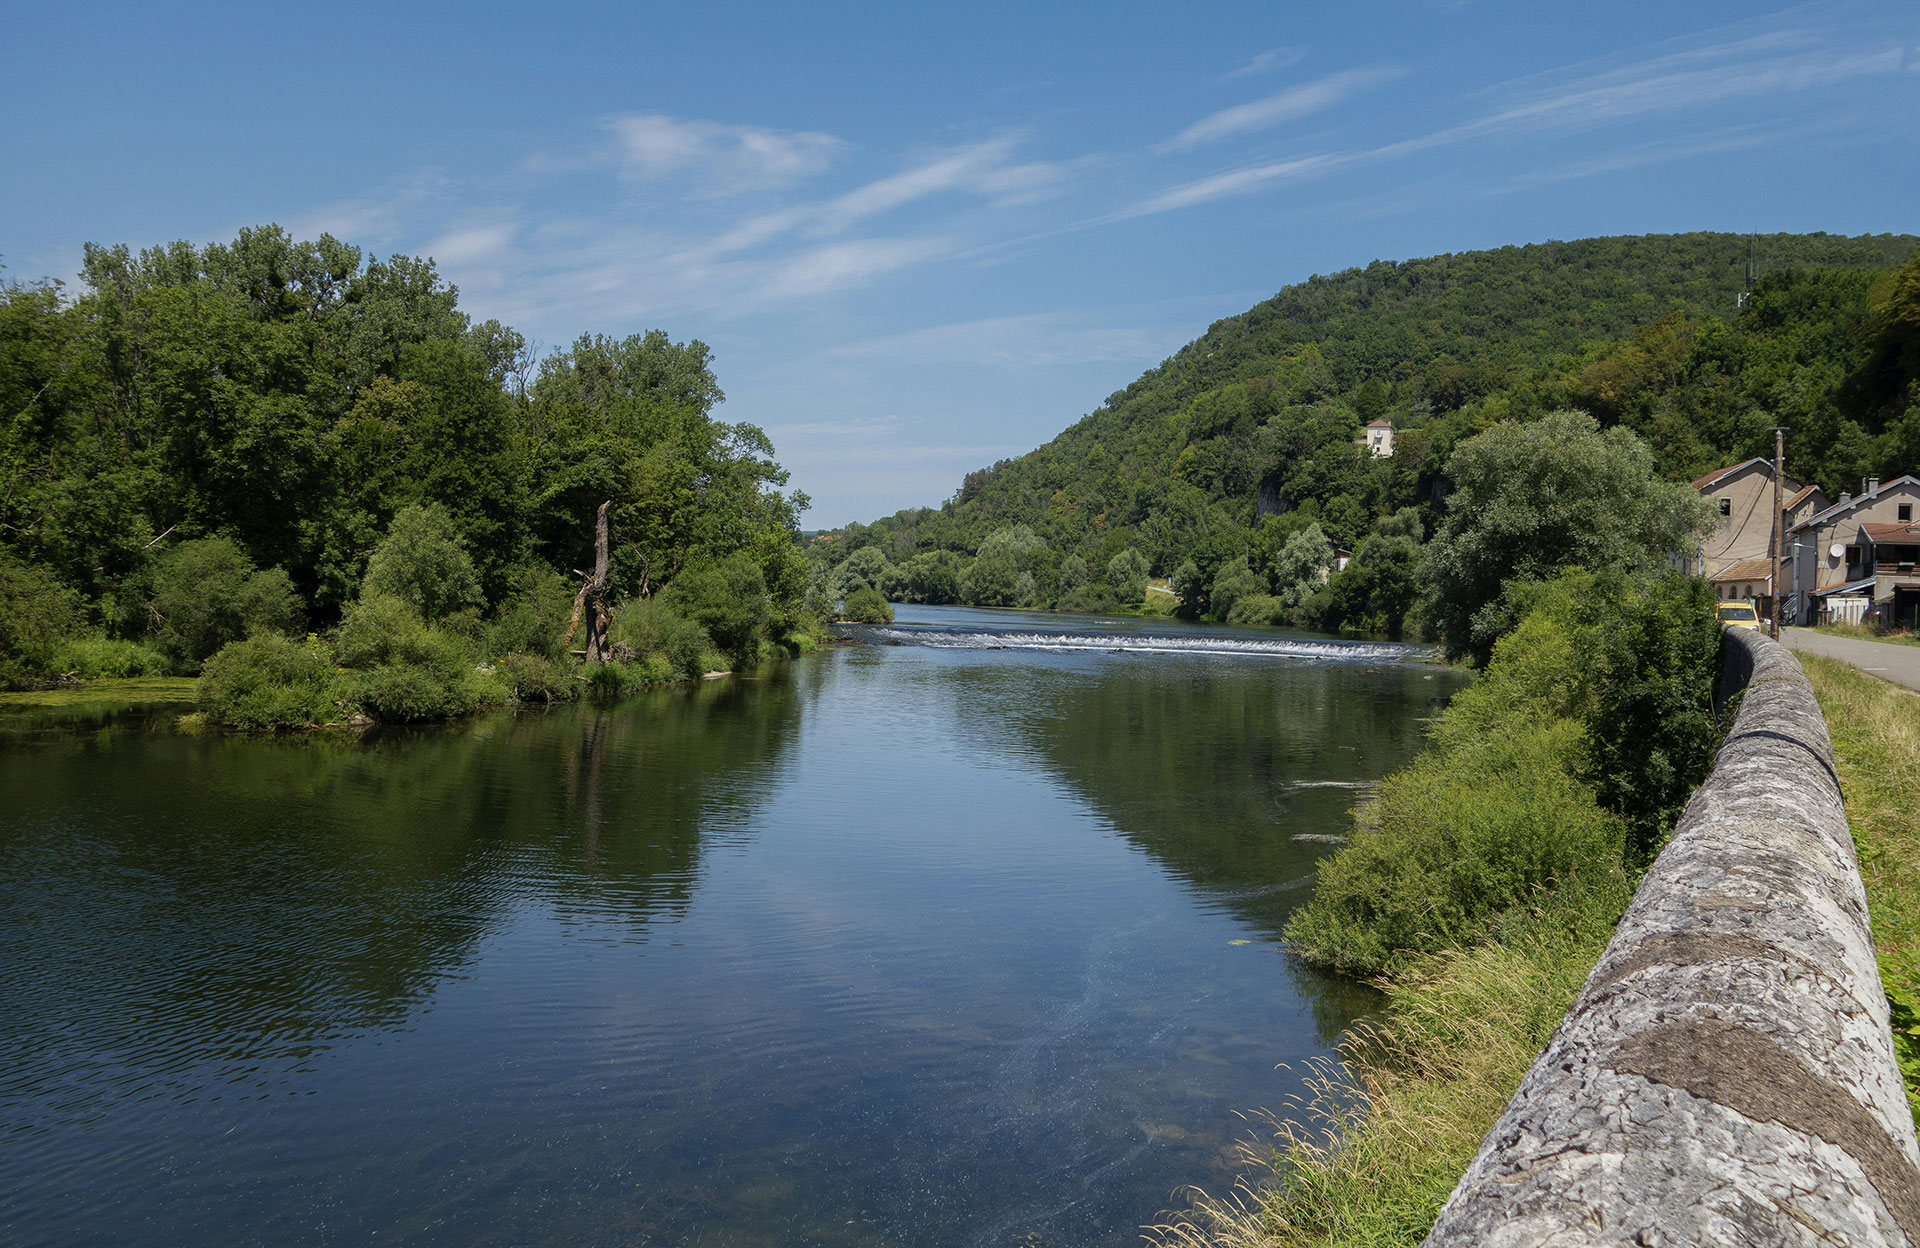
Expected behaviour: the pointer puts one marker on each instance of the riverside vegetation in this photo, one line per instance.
(306, 476)
(1234, 470)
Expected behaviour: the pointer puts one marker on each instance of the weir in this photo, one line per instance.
(1727, 1074)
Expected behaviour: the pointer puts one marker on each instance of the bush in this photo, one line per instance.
(729, 599)
(714, 661)
(1258, 609)
(866, 606)
(533, 617)
(37, 615)
(103, 657)
(651, 627)
(411, 670)
(1490, 821)
(207, 593)
(268, 681)
(423, 561)
(534, 678)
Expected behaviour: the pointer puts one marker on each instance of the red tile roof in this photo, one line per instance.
(1898, 534)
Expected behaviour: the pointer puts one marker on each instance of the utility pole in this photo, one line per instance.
(1779, 521)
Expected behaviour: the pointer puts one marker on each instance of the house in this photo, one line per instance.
(1858, 553)
(1738, 555)
(1378, 438)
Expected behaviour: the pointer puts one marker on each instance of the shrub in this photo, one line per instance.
(533, 678)
(208, 593)
(96, 657)
(268, 681)
(652, 627)
(1490, 820)
(423, 561)
(729, 599)
(1258, 609)
(533, 616)
(866, 606)
(714, 661)
(37, 615)
(411, 670)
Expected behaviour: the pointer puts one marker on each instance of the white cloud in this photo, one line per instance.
(1270, 60)
(477, 244)
(838, 265)
(1281, 107)
(1017, 341)
(1236, 182)
(722, 159)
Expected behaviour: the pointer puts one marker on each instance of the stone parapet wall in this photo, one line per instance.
(1727, 1075)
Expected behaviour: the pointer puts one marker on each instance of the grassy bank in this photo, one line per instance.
(1876, 745)
(1478, 890)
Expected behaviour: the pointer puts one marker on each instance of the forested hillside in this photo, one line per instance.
(206, 443)
(1239, 459)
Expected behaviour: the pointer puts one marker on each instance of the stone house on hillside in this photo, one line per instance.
(1378, 438)
(1858, 553)
(1738, 556)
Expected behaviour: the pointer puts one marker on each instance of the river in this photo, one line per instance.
(967, 935)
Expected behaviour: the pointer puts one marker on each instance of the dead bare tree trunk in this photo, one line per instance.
(592, 598)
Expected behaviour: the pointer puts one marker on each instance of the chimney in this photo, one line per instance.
(1845, 498)
(1873, 484)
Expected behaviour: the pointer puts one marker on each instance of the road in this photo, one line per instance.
(1887, 660)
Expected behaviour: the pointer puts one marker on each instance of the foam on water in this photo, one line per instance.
(1306, 648)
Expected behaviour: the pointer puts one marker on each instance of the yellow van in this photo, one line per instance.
(1739, 615)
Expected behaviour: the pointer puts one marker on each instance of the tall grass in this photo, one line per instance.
(1875, 728)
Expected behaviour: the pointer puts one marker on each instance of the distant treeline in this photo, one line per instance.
(208, 443)
(1235, 467)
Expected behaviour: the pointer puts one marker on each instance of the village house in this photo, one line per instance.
(1738, 556)
(1858, 554)
(1378, 438)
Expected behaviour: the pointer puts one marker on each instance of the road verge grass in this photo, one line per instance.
(1875, 727)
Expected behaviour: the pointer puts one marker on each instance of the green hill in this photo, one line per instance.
(1700, 342)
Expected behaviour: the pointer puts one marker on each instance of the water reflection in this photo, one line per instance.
(892, 945)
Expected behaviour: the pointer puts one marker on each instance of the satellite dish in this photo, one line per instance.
(1836, 550)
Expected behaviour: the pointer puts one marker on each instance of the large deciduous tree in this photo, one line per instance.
(1533, 499)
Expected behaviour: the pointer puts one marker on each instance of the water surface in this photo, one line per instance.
(940, 941)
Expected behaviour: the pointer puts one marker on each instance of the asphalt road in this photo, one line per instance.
(1887, 660)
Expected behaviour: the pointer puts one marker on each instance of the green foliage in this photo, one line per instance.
(651, 629)
(1652, 733)
(1376, 591)
(534, 678)
(1234, 582)
(95, 657)
(409, 670)
(729, 599)
(268, 681)
(208, 593)
(1488, 821)
(37, 616)
(1127, 574)
(866, 606)
(423, 562)
(1549, 779)
(532, 618)
(1533, 499)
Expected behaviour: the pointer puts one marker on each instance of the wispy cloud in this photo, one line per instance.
(1685, 84)
(1283, 106)
(721, 159)
(1269, 61)
(1018, 341)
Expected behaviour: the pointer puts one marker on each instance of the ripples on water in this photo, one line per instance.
(897, 944)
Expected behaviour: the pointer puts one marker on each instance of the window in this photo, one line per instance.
(1906, 512)
(1726, 507)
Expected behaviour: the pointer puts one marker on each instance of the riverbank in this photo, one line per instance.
(1478, 891)
(1875, 729)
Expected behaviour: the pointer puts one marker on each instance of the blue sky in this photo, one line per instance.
(920, 239)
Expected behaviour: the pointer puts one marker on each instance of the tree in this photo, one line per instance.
(1127, 573)
(208, 593)
(1532, 499)
(423, 562)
